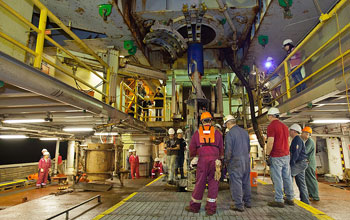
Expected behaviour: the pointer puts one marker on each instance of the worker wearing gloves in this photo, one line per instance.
(157, 167)
(298, 161)
(277, 152)
(172, 152)
(134, 164)
(207, 144)
(237, 159)
(310, 172)
(181, 144)
(44, 169)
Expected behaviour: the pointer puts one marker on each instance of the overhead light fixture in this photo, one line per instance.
(106, 133)
(14, 136)
(19, 121)
(121, 56)
(268, 64)
(49, 139)
(331, 121)
(78, 129)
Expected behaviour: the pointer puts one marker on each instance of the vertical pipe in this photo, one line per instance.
(136, 92)
(244, 108)
(107, 85)
(287, 79)
(173, 96)
(195, 52)
(229, 93)
(121, 96)
(40, 38)
(164, 103)
(70, 158)
(56, 155)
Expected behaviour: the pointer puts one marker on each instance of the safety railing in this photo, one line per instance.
(325, 52)
(131, 102)
(98, 197)
(39, 50)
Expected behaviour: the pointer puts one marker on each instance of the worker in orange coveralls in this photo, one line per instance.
(134, 165)
(157, 167)
(44, 169)
(207, 143)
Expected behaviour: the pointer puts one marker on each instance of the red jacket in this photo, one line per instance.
(134, 160)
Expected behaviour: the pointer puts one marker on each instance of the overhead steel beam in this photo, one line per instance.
(18, 95)
(142, 71)
(32, 109)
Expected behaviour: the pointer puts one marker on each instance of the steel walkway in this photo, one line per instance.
(159, 201)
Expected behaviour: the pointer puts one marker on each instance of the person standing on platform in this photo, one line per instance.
(159, 102)
(298, 161)
(180, 143)
(172, 152)
(207, 144)
(310, 172)
(277, 152)
(44, 169)
(237, 159)
(128, 162)
(134, 165)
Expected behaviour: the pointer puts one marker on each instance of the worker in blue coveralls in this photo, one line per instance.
(237, 159)
(298, 161)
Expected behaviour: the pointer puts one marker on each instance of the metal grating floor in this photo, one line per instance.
(159, 201)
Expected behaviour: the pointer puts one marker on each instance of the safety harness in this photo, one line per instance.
(206, 136)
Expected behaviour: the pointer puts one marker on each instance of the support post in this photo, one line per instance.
(70, 158)
(287, 79)
(56, 155)
(40, 38)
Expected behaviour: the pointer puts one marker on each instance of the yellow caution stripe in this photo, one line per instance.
(121, 202)
(10, 183)
(315, 212)
(262, 182)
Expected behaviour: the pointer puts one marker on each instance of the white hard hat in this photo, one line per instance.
(46, 153)
(218, 125)
(171, 131)
(157, 159)
(147, 97)
(273, 111)
(269, 59)
(179, 131)
(296, 128)
(227, 130)
(44, 150)
(287, 41)
(131, 150)
(228, 118)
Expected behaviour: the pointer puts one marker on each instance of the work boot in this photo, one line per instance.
(209, 213)
(314, 200)
(188, 208)
(234, 208)
(248, 206)
(276, 204)
(289, 202)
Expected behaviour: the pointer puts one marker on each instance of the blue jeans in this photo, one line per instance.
(297, 77)
(298, 171)
(281, 177)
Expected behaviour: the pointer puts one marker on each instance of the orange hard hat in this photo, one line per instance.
(307, 129)
(206, 115)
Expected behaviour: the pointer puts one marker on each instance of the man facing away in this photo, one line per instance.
(207, 143)
(237, 159)
(172, 152)
(298, 161)
(310, 172)
(277, 152)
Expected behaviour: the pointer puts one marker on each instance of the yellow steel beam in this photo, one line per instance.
(73, 76)
(40, 38)
(74, 57)
(20, 45)
(69, 32)
(19, 16)
(107, 85)
(287, 78)
(306, 39)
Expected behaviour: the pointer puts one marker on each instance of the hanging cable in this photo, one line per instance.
(317, 4)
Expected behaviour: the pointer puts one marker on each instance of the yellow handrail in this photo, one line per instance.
(41, 36)
(307, 38)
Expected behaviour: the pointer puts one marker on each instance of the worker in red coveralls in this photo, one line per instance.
(207, 144)
(44, 169)
(157, 167)
(134, 165)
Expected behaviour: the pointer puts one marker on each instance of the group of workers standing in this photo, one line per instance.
(287, 161)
